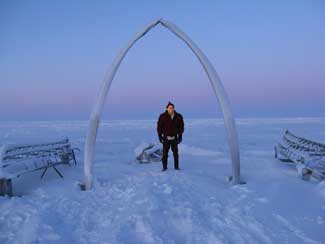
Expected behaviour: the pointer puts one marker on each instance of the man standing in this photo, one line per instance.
(170, 127)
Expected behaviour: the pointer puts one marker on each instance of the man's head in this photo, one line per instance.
(170, 108)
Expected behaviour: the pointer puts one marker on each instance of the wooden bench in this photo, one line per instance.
(17, 160)
(307, 155)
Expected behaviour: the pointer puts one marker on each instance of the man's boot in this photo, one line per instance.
(165, 156)
(176, 162)
(164, 163)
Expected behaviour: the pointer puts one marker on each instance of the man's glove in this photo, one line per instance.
(161, 138)
(179, 138)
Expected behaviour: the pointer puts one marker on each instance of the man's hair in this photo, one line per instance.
(170, 104)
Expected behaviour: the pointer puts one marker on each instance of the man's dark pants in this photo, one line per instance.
(173, 145)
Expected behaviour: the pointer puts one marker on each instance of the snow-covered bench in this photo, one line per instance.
(309, 156)
(148, 152)
(16, 160)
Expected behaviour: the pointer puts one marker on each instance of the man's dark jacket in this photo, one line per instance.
(168, 126)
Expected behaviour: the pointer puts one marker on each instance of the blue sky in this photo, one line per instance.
(270, 56)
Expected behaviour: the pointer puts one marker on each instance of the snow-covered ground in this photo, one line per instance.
(137, 203)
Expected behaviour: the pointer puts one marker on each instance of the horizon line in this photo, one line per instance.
(148, 119)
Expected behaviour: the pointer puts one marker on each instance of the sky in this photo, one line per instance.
(270, 56)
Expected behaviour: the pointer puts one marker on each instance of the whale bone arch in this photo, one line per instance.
(214, 79)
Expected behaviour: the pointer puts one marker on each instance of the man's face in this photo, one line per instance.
(170, 109)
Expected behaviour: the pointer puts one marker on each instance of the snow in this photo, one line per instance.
(137, 203)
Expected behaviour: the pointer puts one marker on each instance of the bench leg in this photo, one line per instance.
(57, 171)
(5, 187)
(74, 157)
(44, 172)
